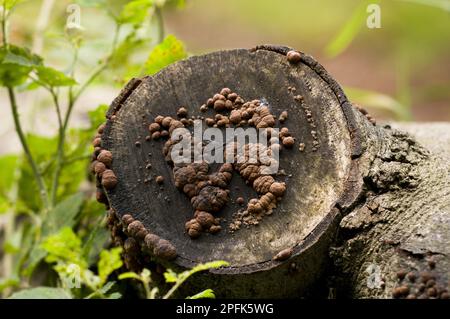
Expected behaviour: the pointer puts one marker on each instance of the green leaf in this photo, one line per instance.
(95, 242)
(64, 247)
(170, 276)
(376, 100)
(110, 260)
(15, 65)
(63, 214)
(348, 32)
(12, 281)
(43, 150)
(10, 4)
(53, 77)
(210, 265)
(176, 3)
(41, 293)
(124, 51)
(12, 245)
(21, 57)
(182, 277)
(98, 116)
(135, 11)
(167, 52)
(202, 267)
(107, 287)
(8, 166)
(205, 294)
(37, 254)
(114, 295)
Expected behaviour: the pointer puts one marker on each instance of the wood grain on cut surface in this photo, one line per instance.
(315, 179)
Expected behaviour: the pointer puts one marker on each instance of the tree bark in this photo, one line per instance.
(396, 238)
(363, 202)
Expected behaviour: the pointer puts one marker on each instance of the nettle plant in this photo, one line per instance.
(54, 232)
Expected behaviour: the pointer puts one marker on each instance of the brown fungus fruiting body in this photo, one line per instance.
(421, 285)
(294, 56)
(283, 255)
(109, 179)
(105, 157)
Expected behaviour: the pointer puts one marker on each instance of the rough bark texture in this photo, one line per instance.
(370, 201)
(401, 224)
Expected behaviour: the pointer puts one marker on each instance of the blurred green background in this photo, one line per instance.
(408, 58)
(400, 71)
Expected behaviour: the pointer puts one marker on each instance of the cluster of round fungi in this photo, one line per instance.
(101, 162)
(208, 191)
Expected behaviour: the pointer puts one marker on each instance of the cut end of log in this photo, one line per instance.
(320, 145)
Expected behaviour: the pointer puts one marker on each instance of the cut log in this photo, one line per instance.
(335, 167)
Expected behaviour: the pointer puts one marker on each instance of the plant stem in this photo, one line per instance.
(4, 33)
(73, 97)
(148, 292)
(37, 175)
(160, 22)
(60, 151)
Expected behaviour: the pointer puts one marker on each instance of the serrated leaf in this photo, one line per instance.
(15, 65)
(203, 267)
(167, 52)
(21, 57)
(210, 265)
(53, 77)
(41, 293)
(135, 11)
(64, 246)
(110, 260)
(205, 294)
(63, 214)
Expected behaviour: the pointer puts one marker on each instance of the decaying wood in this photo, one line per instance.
(357, 194)
(402, 224)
